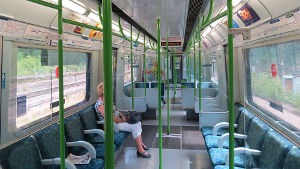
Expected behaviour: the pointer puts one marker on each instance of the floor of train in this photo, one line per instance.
(184, 148)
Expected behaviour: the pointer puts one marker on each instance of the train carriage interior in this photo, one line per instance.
(150, 84)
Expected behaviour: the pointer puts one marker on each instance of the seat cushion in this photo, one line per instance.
(20, 155)
(94, 164)
(225, 167)
(208, 130)
(212, 142)
(274, 151)
(119, 138)
(218, 156)
(100, 150)
(293, 159)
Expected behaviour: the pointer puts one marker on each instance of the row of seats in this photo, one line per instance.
(42, 150)
(256, 144)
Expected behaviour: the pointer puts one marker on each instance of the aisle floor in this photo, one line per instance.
(184, 148)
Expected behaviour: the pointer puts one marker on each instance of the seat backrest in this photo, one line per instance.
(237, 111)
(48, 141)
(89, 121)
(256, 133)
(292, 160)
(74, 132)
(274, 151)
(243, 123)
(20, 155)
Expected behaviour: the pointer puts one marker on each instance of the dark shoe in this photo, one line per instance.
(145, 147)
(143, 154)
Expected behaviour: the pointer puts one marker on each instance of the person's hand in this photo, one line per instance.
(123, 118)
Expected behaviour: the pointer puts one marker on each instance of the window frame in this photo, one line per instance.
(49, 119)
(281, 126)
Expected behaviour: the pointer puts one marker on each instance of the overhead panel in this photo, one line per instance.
(193, 12)
(280, 7)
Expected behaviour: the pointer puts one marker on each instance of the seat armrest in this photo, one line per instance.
(221, 125)
(84, 144)
(68, 163)
(240, 150)
(116, 128)
(95, 131)
(226, 136)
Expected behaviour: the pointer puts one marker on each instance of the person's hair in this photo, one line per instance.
(100, 90)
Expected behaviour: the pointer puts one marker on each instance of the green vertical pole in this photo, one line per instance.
(145, 72)
(174, 72)
(159, 94)
(231, 92)
(108, 94)
(190, 68)
(61, 87)
(195, 65)
(131, 68)
(168, 93)
(200, 72)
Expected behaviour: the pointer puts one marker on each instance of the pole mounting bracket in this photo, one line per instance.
(244, 31)
(50, 38)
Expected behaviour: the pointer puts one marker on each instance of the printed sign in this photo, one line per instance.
(57, 72)
(21, 106)
(247, 15)
(274, 70)
(96, 34)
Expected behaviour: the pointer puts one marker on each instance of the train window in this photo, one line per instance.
(274, 81)
(37, 83)
(127, 69)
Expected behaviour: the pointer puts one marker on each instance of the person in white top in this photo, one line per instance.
(134, 129)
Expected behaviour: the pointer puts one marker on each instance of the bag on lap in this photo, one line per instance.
(132, 117)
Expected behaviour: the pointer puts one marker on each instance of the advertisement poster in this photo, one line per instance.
(248, 15)
(234, 24)
(96, 34)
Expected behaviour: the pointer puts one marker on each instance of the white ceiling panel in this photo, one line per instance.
(145, 12)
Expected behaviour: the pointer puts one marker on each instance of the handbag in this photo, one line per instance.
(132, 117)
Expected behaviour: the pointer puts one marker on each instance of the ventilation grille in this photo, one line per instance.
(193, 12)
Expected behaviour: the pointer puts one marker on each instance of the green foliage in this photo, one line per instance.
(267, 87)
(29, 63)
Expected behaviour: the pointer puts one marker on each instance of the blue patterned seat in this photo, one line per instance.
(274, 151)
(212, 142)
(243, 125)
(218, 157)
(75, 132)
(256, 134)
(225, 167)
(292, 160)
(89, 121)
(20, 155)
(48, 141)
(208, 130)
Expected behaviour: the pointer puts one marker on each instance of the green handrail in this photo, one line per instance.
(47, 4)
(145, 71)
(210, 11)
(131, 68)
(168, 92)
(121, 30)
(194, 65)
(159, 94)
(99, 13)
(174, 72)
(108, 94)
(61, 88)
(200, 72)
(231, 87)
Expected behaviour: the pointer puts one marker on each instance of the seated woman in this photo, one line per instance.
(134, 129)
